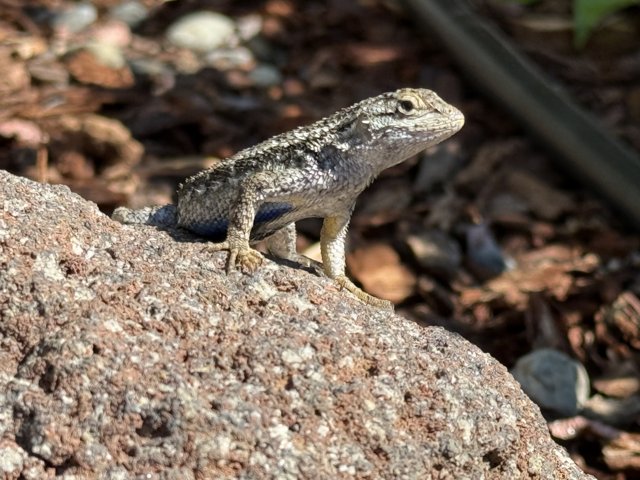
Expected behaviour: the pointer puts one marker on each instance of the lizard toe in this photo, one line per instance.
(220, 247)
(231, 261)
(348, 285)
(217, 247)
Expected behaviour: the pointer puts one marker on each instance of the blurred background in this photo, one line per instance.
(522, 242)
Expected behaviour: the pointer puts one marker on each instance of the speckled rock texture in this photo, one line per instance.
(126, 353)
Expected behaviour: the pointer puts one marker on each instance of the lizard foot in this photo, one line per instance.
(306, 262)
(347, 284)
(241, 256)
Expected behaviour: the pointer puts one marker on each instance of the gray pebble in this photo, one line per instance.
(149, 66)
(485, 258)
(553, 380)
(131, 13)
(76, 18)
(228, 58)
(201, 31)
(249, 26)
(265, 75)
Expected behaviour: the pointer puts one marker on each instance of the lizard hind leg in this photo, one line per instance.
(282, 244)
(332, 243)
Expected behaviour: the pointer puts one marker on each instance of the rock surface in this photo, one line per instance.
(124, 352)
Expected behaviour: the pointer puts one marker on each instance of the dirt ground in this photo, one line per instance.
(484, 235)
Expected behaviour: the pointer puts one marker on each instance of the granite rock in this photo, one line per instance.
(126, 353)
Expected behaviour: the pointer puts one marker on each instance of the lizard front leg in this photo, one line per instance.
(332, 245)
(251, 193)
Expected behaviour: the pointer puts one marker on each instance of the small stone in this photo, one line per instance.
(249, 26)
(107, 54)
(230, 58)
(47, 69)
(131, 13)
(112, 32)
(149, 66)
(76, 18)
(484, 256)
(265, 75)
(553, 380)
(201, 31)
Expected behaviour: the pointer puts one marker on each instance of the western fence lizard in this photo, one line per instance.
(313, 171)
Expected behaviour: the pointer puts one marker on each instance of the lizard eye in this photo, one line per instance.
(406, 106)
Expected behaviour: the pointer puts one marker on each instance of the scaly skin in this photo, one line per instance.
(313, 171)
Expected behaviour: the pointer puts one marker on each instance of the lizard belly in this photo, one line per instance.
(271, 216)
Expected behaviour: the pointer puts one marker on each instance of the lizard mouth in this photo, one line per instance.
(458, 119)
(455, 119)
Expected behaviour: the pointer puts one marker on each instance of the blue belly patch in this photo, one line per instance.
(271, 211)
(216, 229)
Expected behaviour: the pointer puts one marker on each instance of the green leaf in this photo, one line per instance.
(588, 13)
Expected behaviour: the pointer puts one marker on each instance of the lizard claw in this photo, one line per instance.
(247, 259)
(347, 284)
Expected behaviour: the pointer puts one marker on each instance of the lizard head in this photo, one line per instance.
(407, 121)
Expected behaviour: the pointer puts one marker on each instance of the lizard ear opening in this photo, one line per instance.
(356, 132)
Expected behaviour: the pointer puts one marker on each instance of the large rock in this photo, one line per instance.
(124, 352)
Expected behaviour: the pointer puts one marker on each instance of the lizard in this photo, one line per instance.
(312, 171)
